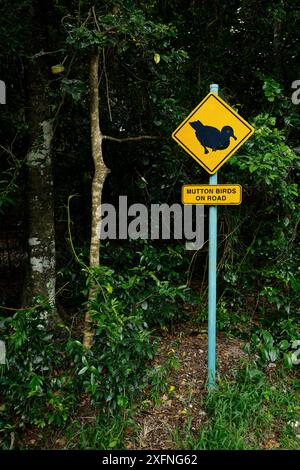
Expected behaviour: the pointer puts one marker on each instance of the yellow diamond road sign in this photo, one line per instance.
(212, 133)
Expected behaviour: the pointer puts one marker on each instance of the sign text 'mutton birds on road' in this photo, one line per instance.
(212, 133)
(212, 194)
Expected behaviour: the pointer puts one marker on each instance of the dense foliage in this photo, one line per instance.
(157, 61)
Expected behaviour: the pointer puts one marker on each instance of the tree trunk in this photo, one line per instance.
(100, 174)
(40, 279)
(40, 275)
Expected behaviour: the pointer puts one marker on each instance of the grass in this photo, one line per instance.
(104, 433)
(158, 378)
(251, 412)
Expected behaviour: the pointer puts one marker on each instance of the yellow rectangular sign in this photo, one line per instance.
(211, 194)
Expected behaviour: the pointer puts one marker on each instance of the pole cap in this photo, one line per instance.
(214, 88)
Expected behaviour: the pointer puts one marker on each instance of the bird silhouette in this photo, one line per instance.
(211, 137)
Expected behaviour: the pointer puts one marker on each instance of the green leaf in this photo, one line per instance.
(83, 370)
(284, 344)
(156, 58)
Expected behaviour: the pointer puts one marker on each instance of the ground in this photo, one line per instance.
(170, 413)
(179, 408)
(161, 415)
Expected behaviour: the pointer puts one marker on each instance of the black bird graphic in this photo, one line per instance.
(211, 137)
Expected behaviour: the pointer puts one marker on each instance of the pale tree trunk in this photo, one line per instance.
(40, 278)
(100, 174)
(40, 273)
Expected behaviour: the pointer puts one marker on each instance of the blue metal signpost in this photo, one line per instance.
(212, 280)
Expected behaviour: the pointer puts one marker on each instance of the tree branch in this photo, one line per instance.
(128, 139)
